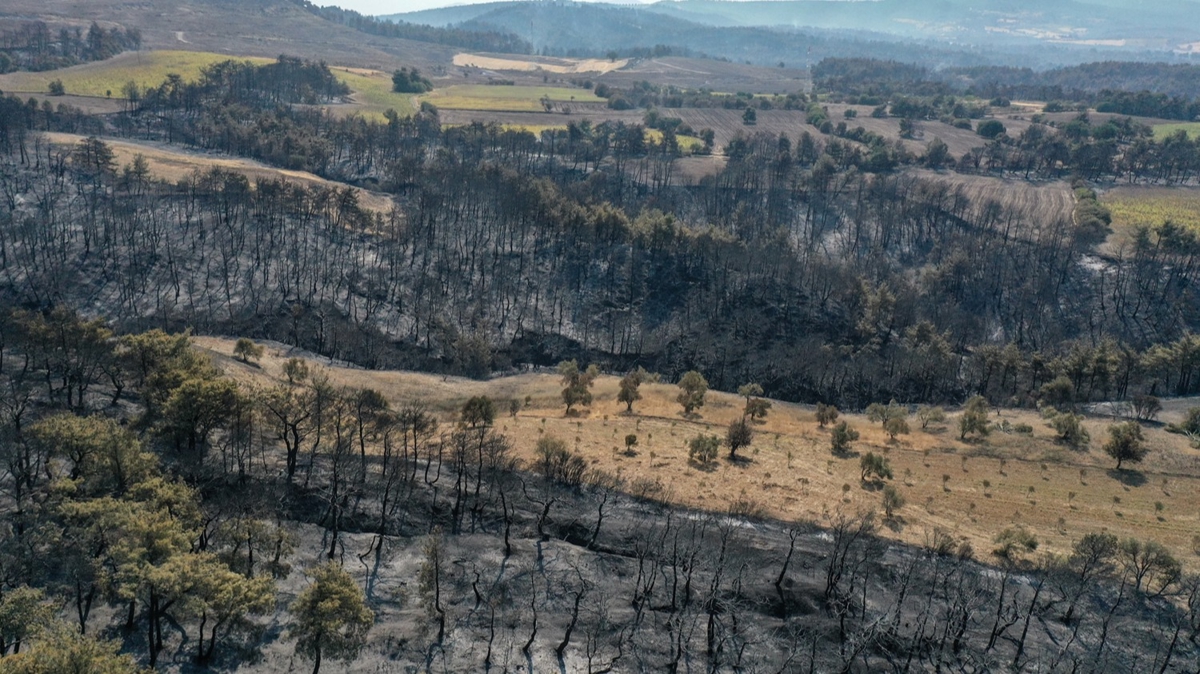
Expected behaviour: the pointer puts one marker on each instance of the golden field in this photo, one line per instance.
(790, 473)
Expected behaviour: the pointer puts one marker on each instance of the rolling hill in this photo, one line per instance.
(265, 28)
(952, 31)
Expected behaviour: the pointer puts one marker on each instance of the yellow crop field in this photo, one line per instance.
(1134, 206)
(104, 79)
(1163, 130)
(505, 98)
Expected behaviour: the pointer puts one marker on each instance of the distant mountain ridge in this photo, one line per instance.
(1034, 32)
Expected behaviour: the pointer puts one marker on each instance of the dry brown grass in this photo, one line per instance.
(562, 66)
(791, 473)
(173, 164)
(1041, 202)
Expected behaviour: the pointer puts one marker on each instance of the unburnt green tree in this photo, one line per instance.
(1125, 443)
(1070, 430)
(629, 392)
(974, 418)
(840, 438)
(246, 350)
(692, 389)
(756, 407)
(577, 383)
(882, 413)
(930, 415)
(892, 500)
(24, 611)
(896, 426)
(738, 435)
(703, 449)
(826, 414)
(296, 371)
(478, 411)
(62, 650)
(331, 617)
(873, 466)
(195, 409)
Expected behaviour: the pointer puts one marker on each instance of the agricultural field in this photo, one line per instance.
(974, 488)
(1192, 129)
(507, 98)
(1136, 206)
(372, 93)
(172, 164)
(579, 113)
(562, 66)
(1034, 202)
(104, 79)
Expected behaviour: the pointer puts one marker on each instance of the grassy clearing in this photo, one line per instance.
(104, 79)
(1135, 206)
(975, 489)
(504, 98)
(686, 143)
(373, 93)
(1163, 130)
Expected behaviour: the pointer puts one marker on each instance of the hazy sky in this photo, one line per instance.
(397, 6)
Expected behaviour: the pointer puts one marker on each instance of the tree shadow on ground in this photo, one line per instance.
(739, 461)
(1127, 477)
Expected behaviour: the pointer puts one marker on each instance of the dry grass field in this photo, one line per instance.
(505, 98)
(1034, 202)
(974, 489)
(561, 66)
(171, 163)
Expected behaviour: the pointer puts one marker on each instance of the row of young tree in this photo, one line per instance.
(553, 565)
